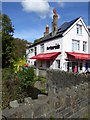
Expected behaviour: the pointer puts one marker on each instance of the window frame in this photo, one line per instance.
(84, 46)
(75, 45)
(58, 62)
(79, 29)
(42, 48)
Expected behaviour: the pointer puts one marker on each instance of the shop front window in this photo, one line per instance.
(48, 64)
(81, 66)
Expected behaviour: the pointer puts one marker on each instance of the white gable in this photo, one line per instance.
(71, 34)
(79, 21)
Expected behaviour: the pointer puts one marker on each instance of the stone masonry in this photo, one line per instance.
(67, 98)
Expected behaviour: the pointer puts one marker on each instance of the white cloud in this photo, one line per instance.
(41, 7)
(61, 4)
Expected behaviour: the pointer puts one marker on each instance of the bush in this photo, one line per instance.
(10, 87)
(7, 74)
(18, 63)
(26, 76)
(40, 78)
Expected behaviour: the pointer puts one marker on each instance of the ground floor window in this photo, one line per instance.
(72, 66)
(87, 65)
(48, 64)
(81, 65)
(34, 63)
(69, 66)
(57, 63)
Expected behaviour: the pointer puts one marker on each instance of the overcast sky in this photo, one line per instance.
(30, 18)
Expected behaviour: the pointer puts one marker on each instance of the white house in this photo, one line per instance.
(65, 48)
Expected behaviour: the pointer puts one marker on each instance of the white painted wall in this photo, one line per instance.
(72, 34)
(65, 46)
(52, 43)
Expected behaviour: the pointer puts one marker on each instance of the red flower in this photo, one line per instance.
(26, 65)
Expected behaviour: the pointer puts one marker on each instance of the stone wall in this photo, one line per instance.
(71, 91)
(40, 71)
(67, 98)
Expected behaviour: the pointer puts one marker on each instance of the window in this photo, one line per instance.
(42, 48)
(79, 29)
(34, 63)
(84, 46)
(35, 50)
(48, 64)
(41, 63)
(31, 50)
(81, 66)
(57, 63)
(75, 45)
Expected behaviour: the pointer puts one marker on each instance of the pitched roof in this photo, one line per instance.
(66, 25)
(89, 29)
(59, 33)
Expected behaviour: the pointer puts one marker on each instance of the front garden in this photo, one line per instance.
(17, 86)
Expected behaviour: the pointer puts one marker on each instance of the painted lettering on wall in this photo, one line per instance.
(56, 46)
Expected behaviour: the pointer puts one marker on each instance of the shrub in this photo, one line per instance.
(26, 76)
(19, 63)
(40, 78)
(8, 74)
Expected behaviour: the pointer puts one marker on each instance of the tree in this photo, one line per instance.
(19, 48)
(38, 40)
(7, 41)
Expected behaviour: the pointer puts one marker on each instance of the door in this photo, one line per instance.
(74, 66)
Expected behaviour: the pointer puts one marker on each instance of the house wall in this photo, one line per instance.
(67, 43)
(65, 46)
(72, 34)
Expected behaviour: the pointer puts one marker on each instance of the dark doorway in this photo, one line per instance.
(73, 66)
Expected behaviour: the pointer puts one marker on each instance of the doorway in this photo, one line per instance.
(74, 64)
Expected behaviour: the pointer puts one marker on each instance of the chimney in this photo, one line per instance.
(55, 22)
(46, 30)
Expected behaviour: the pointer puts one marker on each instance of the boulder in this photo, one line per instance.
(14, 104)
(28, 100)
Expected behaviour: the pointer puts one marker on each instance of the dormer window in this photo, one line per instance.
(79, 29)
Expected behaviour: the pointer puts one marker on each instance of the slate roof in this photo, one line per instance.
(89, 29)
(59, 33)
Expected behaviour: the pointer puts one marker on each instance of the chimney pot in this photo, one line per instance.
(46, 30)
(55, 22)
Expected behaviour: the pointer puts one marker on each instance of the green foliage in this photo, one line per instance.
(12, 48)
(7, 44)
(41, 78)
(7, 74)
(26, 76)
(43, 90)
(18, 63)
(38, 40)
(51, 117)
(8, 86)
(19, 48)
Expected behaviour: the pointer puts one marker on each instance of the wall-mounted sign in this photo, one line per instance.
(57, 46)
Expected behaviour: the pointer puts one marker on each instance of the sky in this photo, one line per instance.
(30, 18)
